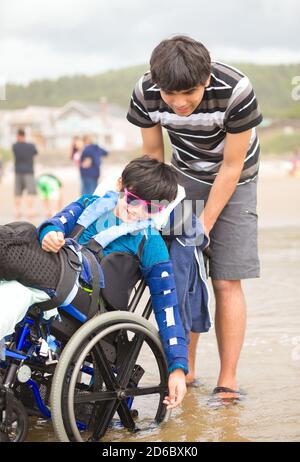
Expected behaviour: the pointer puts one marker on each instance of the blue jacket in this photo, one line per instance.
(94, 152)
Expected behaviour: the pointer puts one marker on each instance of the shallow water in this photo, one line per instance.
(269, 369)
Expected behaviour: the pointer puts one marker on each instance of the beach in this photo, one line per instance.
(278, 193)
(270, 360)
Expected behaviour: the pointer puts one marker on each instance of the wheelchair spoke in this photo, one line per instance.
(122, 379)
(127, 369)
(105, 368)
(125, 416)
(142, 391)
(95, 397)
(103, 419)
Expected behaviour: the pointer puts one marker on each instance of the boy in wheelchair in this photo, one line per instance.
(57, 264)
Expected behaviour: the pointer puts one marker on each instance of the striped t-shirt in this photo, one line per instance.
(228, 105)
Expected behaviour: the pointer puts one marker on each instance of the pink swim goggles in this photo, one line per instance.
(136, 201)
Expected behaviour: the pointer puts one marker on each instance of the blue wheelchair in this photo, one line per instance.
(97, 369)
(87, 373)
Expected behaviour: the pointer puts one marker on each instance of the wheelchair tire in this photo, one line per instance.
(67, 370)
(18, 430)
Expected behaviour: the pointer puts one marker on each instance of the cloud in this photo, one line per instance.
(50, 37)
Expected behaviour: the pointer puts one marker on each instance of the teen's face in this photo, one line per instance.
(184, 102)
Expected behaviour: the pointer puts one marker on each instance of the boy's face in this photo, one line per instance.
(128, 212)
(184, 102)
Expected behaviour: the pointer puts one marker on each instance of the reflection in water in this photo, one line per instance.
(269, 369)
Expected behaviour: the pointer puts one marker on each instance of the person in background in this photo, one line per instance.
(50, 190)
(294, 163)
(76, 149)
(90, 162)
(24, 153)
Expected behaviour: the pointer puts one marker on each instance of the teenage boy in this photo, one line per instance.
(210, 112)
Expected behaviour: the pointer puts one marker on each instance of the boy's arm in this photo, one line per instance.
(65, 220)
(160, 280)
(161, 283)
(158, 274)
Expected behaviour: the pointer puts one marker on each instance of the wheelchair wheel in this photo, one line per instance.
(17, 430)
(101, 375)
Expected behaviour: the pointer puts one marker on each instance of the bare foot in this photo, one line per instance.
(189, 378)
(191, 381)
(196, 383)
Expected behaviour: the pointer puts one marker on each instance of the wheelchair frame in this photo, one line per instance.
(12, 410)
(26, 367)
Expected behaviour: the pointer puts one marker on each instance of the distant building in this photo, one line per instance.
(52, 128)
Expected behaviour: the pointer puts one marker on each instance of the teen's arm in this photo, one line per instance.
(235, 150)
(241, 115)
(139, 115)
(153, 143)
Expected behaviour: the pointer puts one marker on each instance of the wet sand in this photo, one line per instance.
(270, 361)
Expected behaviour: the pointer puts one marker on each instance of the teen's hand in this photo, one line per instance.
(53, 241)
(206, 231)
(177, 389)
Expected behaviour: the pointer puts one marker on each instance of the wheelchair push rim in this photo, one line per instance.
(118, 391)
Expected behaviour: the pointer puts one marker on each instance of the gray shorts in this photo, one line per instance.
(233, 239)
(24, 181)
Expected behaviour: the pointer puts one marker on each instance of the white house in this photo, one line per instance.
(53, 128)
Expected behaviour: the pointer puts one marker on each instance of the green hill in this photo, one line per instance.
(273, 86)
(272, 83)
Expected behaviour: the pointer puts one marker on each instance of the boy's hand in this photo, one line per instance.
(53, 241)
(177, 389)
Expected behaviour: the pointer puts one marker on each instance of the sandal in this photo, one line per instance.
(218, 390)
(223, 401)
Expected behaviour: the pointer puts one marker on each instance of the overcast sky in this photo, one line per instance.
(50, 38)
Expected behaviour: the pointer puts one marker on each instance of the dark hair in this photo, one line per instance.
(180, 63)
(150, 179)
(21, 132)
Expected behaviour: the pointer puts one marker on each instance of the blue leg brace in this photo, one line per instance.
(160, 279)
